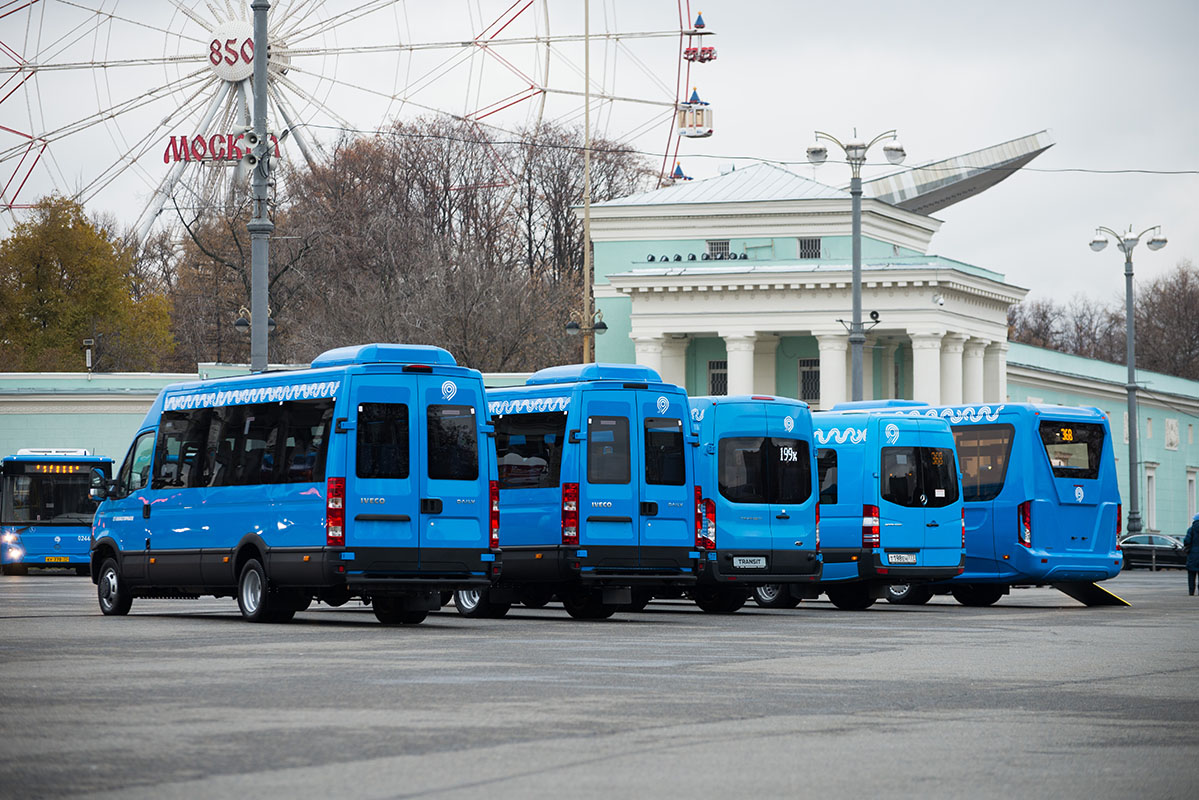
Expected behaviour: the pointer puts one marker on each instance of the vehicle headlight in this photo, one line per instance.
(9, 537)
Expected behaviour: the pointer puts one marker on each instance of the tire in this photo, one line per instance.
(774, 595)
(977, 595)
(476, 604)
(719, 599)
(855, 597)
(908, 594)
(257, 600)
(16, 569)
(641, 598)
(391, 611)
(535, 596)
(113, 594)
(586, 604)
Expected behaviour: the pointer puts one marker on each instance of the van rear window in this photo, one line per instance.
(984, 451)
(1074, 448)
(756, 469)
(453, 443)
(919, 477)
(826, 466)
(608, 458)
(529, 449)
(382, 441)
(664, 465)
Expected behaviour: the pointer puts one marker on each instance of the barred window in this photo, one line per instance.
(809, 380)
(718, 377)
(718, 247)
(809, 248)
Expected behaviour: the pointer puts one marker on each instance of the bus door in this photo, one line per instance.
(1075, 452)
(453, 482)
(609, 499)
(382, 468)
(984, 452)
(940, 488)
(790, 475)
(126, 517)
(667, 489)
(902, 501)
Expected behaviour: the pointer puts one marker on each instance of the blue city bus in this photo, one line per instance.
(596, 491)
(368, 475)
(756, 471)
(890, 504)
(45, 509)
(1042, 503)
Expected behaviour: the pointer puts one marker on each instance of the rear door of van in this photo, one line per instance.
(985, 452)
(901, 502)
(609, 476)
(791, 473)
(1072, 517)
(667, 493)
(744, 516)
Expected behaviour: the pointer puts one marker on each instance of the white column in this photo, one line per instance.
(995, 373)
(674, 359)
(972, 370)
(951, 368)
(832, 368)
(926, 367)
(765, 347)
(887, 352)
(867, 369)
(649, 352)
(740, 349)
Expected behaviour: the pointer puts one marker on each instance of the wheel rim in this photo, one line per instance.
(899, 591)
(467, 599)
(769, 592)
(108, 588)
(251, 591)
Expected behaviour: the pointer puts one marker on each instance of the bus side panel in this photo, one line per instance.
(841, 523)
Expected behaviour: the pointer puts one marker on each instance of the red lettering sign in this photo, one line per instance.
(217, 147)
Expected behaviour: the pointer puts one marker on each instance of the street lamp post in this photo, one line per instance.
(855, 153)
(1127, 242)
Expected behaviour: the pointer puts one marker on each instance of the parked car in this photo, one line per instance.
(1146, 549)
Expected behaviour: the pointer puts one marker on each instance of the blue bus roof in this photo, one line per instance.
(384, 354)
(864, 405)
(576, 373)
(55, 458)
(723, 399)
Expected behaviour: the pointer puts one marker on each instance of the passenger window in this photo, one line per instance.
(453, 443)
(135, 472)
(608, 459)
(1074, 448)
(529, 450)
(919, 476)
(984, 451)
(741, 472)
(790, 471)
(304, 448)
(382, 441)
(255, 448)
(899, 476)
(664, 464)
(180, 455)
(826, 465)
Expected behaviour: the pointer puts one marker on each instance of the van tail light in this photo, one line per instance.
(963, 529)
(335, 512)
(870, 528)
(1024, 523)
(1119, 522)
(570, 513)
(817, 527)
(705, 522)
(493, 490)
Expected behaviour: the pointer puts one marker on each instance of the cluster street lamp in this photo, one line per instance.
(597, 328)
(855, 153)
(1126, 242)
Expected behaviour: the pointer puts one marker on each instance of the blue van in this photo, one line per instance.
(891, 504)
(45, 508)
(368, 475)
(1041, 499)
(756, 469)
(596, 491)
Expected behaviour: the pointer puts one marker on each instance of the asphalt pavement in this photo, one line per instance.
(1037, 696)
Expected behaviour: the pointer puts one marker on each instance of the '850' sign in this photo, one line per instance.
(231, 50)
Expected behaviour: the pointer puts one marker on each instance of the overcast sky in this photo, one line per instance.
(1113, 82)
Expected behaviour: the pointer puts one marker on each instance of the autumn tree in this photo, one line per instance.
(64, 279)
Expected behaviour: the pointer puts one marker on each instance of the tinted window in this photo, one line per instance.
(755, 469)
(54, 492)
(529, 449)
(1074, 448)
(304, 443)
(826, 465)
(984, 451)
(179, 459)
(664, 463)
(453, 443)
(919, 476)
(382, 441)
(135, 472)
(608, 450)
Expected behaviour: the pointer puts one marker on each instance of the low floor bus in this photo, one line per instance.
(45, 508)
(367, 476)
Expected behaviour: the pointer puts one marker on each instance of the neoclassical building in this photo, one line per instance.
(742, 283)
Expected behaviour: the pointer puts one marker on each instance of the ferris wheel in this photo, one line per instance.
(140, 109)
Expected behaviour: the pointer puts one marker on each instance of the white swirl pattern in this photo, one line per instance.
(257, 394)
(841, 436)
(528, 405)
(956, 416)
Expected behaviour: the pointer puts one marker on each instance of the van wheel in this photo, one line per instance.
(977, 595)
(535, 596)
(851, 598)
(391, 611)
(774, 595)
(16, 569)
(112, 592)
(257, 600)
(476, 604)
(586, 604)
(908, 594)
(719, 599)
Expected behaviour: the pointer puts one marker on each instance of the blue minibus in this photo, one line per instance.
(596, 491)
(368, 475)
(45, 508)
(1041, 499)
(890, 504)
(756, 471)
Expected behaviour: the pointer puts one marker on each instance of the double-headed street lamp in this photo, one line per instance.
(1127, 242)
(855, 153)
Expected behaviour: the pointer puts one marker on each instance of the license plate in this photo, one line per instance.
(749, 562)
(901, 558)
(57, 558)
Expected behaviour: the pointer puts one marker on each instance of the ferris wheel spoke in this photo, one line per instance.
(91, 65)
(519, 41)
(295, 15)
(312, 99)
(187, 11)
(288, 119)
(325, 26)
(610, 98)
(107, 16)
(646, 71)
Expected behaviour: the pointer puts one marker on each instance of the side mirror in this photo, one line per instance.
(98, 487)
